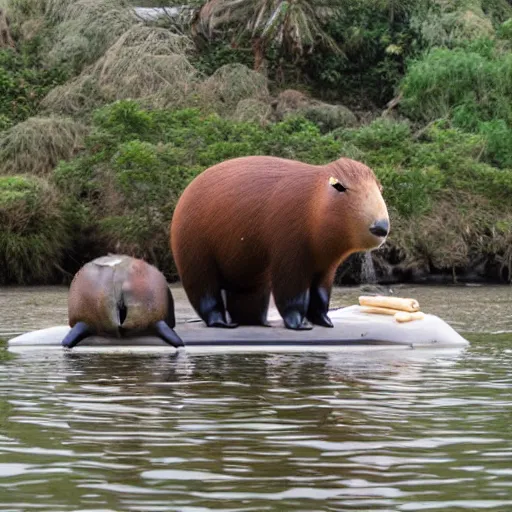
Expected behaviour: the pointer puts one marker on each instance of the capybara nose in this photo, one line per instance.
(380, 228)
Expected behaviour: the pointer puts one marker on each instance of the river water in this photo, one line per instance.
(287, 432)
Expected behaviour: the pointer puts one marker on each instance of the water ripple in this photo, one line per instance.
(245, 433)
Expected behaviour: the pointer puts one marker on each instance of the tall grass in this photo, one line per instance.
(231, 84)
(471, 88)
(84, 29)
(143, 61)
(445, 79)
(34, 232)
(36, 145)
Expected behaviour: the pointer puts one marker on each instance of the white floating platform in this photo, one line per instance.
(353, 330)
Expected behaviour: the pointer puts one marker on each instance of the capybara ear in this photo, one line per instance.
(336, 184)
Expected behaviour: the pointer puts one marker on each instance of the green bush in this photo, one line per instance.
(23, 84)
(382, 143)
(444, 79)
(5, 123)
(505, 30)
(34, 230)
(208, 139)
(471, 88)
(376, 38)
(138, 162)
(411, 192)
(498, 136)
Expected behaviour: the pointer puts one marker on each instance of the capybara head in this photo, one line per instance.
(355, 208)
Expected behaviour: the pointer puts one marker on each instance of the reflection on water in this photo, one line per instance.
(377, 431)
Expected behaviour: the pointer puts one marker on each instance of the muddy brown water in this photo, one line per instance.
(260, 432)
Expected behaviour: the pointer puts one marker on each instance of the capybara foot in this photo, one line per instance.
(222, 324)
(79, 331)
(168, 334)
(320, 319)
(296, 322)
(216, 319)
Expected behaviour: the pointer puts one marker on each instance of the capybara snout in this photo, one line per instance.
(380, 228)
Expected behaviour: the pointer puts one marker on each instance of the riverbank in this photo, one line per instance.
(115, 122)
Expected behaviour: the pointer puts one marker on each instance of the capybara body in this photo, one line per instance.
(119, 295)
(255, 225)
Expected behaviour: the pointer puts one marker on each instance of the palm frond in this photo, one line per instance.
(291, 24)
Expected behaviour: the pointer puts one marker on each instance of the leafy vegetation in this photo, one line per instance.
(478, 100)
(137, 163)
(34, 231)
(105, 118)
(23, 84)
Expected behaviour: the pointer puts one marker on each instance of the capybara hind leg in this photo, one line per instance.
(319, 297)
(249, 308)
(79, 331)
(168, 334)
(206, 299)
(210, 308)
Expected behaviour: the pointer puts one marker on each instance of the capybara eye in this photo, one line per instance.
(337, 185)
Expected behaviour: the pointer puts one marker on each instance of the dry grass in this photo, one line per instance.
(229, 85)
(19, 11)
(37, 145)
(6, 39)
(84, 29)
(327, 116)
(453, 24)
(290, 100)
(457, 232)
(253, 111)
(75, 98)
(143, 61)
(152, 65)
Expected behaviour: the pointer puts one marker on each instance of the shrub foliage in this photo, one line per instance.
(105, 118)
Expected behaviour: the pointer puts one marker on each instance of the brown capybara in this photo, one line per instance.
(120, 295)
(255, 225)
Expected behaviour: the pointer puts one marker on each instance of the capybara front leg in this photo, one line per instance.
(168, 334)
(79, 331)
(250, 307)
(291, 294)
(293, 309)
(320, 295)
